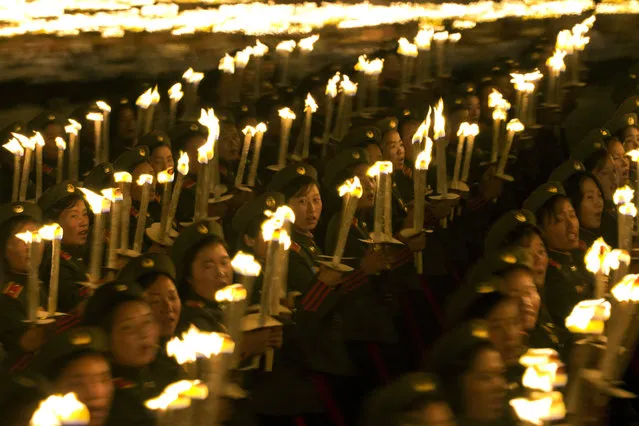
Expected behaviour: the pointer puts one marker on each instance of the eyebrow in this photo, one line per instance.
(136, 317)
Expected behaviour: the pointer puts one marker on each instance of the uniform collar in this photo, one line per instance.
(196, 299)
(560, 256)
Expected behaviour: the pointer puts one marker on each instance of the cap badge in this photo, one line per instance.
(578, 166)
(79, 339)
(203, 229)
(301, 170)
(552, 189)
(393, 124)
(427, 386)
(160, 138)
(148, 263)
(51, 117)
(370, 134)
(509, 258)
(107, 169)
(631, 121)
(18, 208)
(520, 217)
(480, 330)
(270, 202)
(484, 288)
(120, 287)
(597, 145)
(356, 155)
(70, 188)
(142, 152)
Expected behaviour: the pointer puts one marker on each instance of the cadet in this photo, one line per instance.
(76, 361)
(64, 204)
(160, 154)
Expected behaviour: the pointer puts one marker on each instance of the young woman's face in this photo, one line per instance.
(607, 178)
(89, 377)
(622, 164)
(537, 251)
(307, 208)
(136, 190)
(367, 199)
(631, 138)
(17, 251)
(520, 284)
(561, 228)
(127, 125)
(408, 131)
(165, 303)
(591, 207)
(211, 271)
(161, 159)
(134, 334)
(75, 224)
(474, 108)
(393, 149)
(505, 326)
(484, 387)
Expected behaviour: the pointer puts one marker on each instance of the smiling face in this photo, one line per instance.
(631, 138)
(74, 221)
(607, 177)
(622, 164)
(136, 190)
(165, 303)
(393, 149)
(520, 284)
(161, 158)
(561, 226)
(591, 206)
(89, 377)
(134, 334)
(307, 206)
(484, 387)
(211, 270)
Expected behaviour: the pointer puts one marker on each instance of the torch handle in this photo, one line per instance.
(54, 277)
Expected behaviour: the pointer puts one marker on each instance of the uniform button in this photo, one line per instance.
(312, 249)
(573, 268)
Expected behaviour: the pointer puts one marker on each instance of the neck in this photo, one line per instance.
(303, 232)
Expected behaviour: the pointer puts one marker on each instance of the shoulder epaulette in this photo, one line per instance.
(554, 264)
(121, 383)
(295, 247)
(65, 255)
(134, 212)
(13, 289)
(194, 303)
(188, 183)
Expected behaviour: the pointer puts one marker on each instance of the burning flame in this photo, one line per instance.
(380, 167)
(192, 77)
(95, 116)
(245, 264)
(51, 232)
(60, 410)
(440, 36)
(195, 343)
(546, 407)
(178, 395)
(543, 377)
(96, 201)
(73, 127)
(454, 37)
(307, 44)
(347, 86)
(227, 64)
(310, 104)
(495, 99)
(515, 125)
(628, 209)
(176, 93)
(286, 46)
(242, 57)
(499, 114)
(273, 227)
(331, 86)
(463, 129)
(183, 163)
(249, 129)
(112, 194)
(361, 64)
(538, 357)
(144, 179)
(565, 41)
(588, 317)
(473, 130)
(29, 237)
(231, 293)
(424, 38)
(634, 155)
(352, 186)
(37, 139)
(122, 177)
(261, 127)
(144, 100)
(211, 122)
(286, 114)
(623, 195)
(421, 132)
(14, 147)
(60, 143)
(260, 49)
(166, 176)
(556, 61)
(627, 290)
(27, 143)
(103, 106)
(406, 48)
(439, 122)
(422, 162)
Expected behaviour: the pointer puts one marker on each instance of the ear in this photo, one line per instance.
(248, 241)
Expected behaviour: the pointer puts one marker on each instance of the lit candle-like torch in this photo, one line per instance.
(309, 108)
(61, 145)
(439, 136)
(39, 144)
(97, 118)
(556, 66)
(500, 114)
(362, 81)
(408, 53)
(453, 39)
(284, 50)
(345, 107)
(382, 171)
(331, 93)
(260, 129)
(472, 132)
(145, 181)
(423, 41)
(227, 66)
(193, 80)
(114, 195)
(98, 205)
(306, 46)
(53, 233)
(32, 240)
(61, 410)
(249, 132)
(73, 130)
(165, 178)
(422, 162)
(259, 50)
(513, 126)
(440, 38)
(600, 259)
(29, 146)
(123, 179)
(372, 71)
(14, 147)
(175, 95)
(626, 211)
(202, 185)
(245, 265)
(233, 297)
(287, 116)
(350, 191)
(588, 317)
(634, 156)
(212, 123)
(242, 58)
(462, 134)
(183, 170)
(106, 111)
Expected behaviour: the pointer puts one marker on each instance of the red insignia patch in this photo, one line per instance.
(295, 247)
(13, 290)
(194, 304)
(47, 169)
(134, 212)
(121, 383)
(188, 183)
(65, 256)
(554, 264)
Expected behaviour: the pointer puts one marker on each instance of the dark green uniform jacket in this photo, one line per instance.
(73, 270)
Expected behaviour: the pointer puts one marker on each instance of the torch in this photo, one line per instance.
(556, 66)
(227, 66)
(98, 206)
(106, 111)
(440, 38)
(249, 132)
(473, 131)
(175, 95)
(14, 147)
(422, 162)
(408, 52)
(513, 126)
(145, 181)
(183, 170)
(97, 118)
(306, 46)
(287, 116)
(350, 192)
(382, 171)
(61, 145)
(165, 178)
(345, 107)
(193, 80)
(284, 50)
(626, 211)
(39, 144)
(423, 41)
(53, 233)
(241, 60)
(123, 179)
(114, 195)
(259, 50)
(61, 410)
(331, 93)
(73, 130)
(32, 240)
(29, 146)
(259, 136)
(304, 139)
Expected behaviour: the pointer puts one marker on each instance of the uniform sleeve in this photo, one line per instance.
(12, 326)
(71, 294)
(560, 295)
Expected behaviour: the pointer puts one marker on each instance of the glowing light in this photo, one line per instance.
(51, 232)
(14, 147)
(627, 290)
(60, 410)
(588, 317)
(352, 186)
(122, 177)
(231, 293)
(97, 202)
(245, 264)
(307, 44)
(439, 122)
(227, 64)
(310, 104)
(406, 48)
(176, 93)
(286, 113)
(60, 143)
(286, 46)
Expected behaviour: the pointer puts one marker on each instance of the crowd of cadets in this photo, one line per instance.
(382, 345)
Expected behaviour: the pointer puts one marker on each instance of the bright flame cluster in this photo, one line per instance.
(245, 264)
(195, 343)
(352, 186)
(588, 317)
(60, 410)
(600, 257)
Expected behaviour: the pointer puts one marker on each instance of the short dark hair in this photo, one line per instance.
(53, 214)
(596, 160)
(574, 188)
(56, 369)
(189, 258)
(298, 186)
(547, 210)
(7, 230)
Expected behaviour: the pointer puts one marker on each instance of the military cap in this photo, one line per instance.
(361, 137)
(337, 165)
(42, 120)
(147, 263)
(9, 211)
(387, 124)
(131, 158)
(456, 102)
(566, 170)
(505, 225)
(255, 209)
(100, 177)
(620, 122)
(288, 174)
(107, 297)
(452, 352)
(392, 404)
(191, 236)
(630, 105)
(542, 194)
(67, 345)
(593, 142)
(185, 130)
(496, 263)
(154, 140)
(56, 193)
